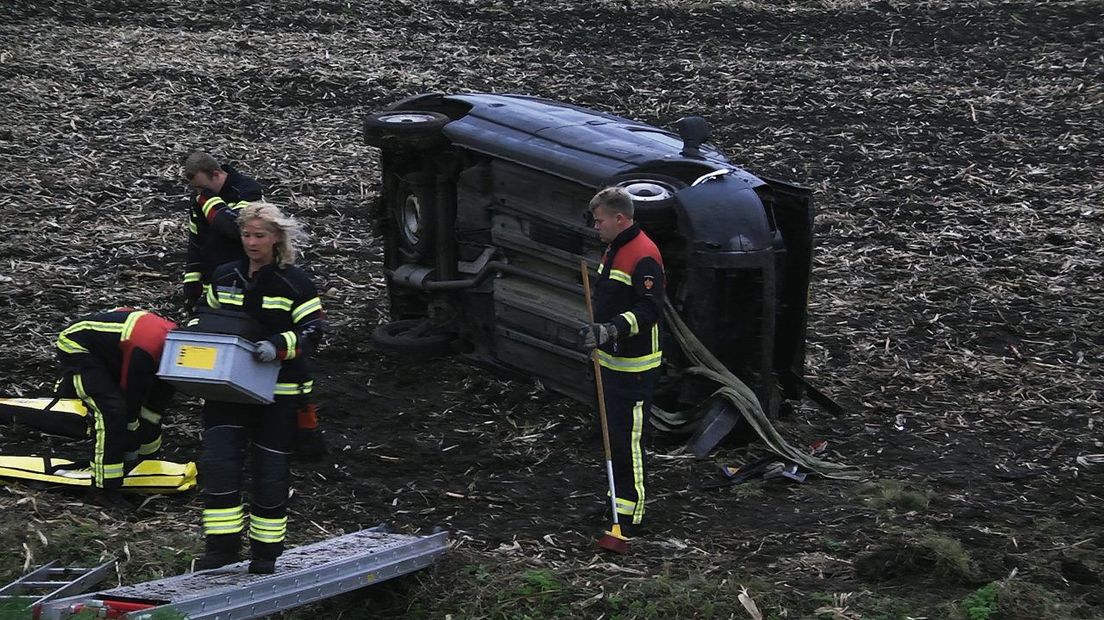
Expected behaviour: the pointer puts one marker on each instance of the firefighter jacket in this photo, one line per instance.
(629, 294)
(285, 303)
(128, 343)
(213, 235)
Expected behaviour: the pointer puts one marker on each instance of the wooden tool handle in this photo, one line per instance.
(597, 367)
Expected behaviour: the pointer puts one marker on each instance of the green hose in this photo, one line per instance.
(705, 364)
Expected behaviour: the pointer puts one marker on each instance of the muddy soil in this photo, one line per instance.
(954, 307)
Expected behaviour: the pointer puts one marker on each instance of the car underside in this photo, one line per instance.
(485, 220)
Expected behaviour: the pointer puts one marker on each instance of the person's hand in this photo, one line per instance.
(595, 335)
(265, 351)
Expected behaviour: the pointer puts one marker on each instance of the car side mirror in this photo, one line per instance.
(694, 130)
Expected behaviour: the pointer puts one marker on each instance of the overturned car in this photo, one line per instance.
(483, 212)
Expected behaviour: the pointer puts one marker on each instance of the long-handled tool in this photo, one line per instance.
(613, 540)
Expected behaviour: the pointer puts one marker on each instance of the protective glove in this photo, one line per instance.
(595, 335)
(265, 351)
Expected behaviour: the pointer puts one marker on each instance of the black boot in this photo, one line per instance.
(221, 549)
(264, 556)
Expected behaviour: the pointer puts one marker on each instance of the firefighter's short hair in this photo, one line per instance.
(289, 230)
(614, 200)
(200, 161)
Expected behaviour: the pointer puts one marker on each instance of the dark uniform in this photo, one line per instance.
(213, 235)
(629, 294)
(110, 362)
(285, 303)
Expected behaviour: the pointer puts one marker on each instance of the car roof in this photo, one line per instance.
(566, 140)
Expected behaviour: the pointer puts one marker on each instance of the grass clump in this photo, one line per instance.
(980, 604)
(893, 494)
(927, 555)
(1012, 600)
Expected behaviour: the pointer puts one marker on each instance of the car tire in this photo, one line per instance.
(415, 215)
(404, 130)
(412, 337)
(653, 197)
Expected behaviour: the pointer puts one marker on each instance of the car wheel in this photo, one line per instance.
(404, 130)
(653, 197)
(415, 216)
(412, 337)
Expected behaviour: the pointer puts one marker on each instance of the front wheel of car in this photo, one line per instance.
(404, 130)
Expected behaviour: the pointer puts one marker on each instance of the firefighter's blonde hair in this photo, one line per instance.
(285, 227)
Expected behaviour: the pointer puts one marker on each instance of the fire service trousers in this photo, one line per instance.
(628, 397)
(107, 415)
(267, 431)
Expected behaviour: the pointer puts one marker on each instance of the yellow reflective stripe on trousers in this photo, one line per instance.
(634, 327)
(637, 444)
(150, 447)
(112, 471)
(620, 276)
(191, 276)
(292, 389)
(291, 341)
(133, 425)
(149, 415)
(223, 520)
(655, 337)
(98, 431)
(630, 364)
(625, 506)
(276, 303)
(267, 530)
(304, 309)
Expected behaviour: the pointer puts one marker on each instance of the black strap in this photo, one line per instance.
(817, 396)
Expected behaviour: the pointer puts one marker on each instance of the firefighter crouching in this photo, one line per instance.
(628, 302)
(109, 360)
(281, 298)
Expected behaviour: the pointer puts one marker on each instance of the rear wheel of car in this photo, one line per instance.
(653, 197)
(406, 130)
(412, 337)
(415, 215)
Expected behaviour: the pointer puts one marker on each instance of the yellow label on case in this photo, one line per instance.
(191, 356)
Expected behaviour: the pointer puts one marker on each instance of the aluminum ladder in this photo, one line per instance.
(51, 581)
(303, 575)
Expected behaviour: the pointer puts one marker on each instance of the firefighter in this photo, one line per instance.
(109, 360)
(214, 239)
(213, 236)
(281, 298)
(628, 302)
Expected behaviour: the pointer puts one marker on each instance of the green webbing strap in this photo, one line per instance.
(740, 395)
